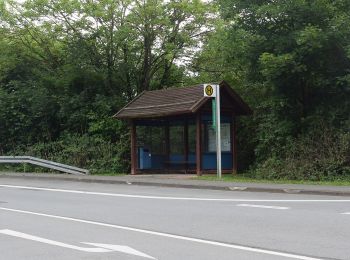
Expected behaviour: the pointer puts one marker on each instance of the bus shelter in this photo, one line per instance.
(171, 130)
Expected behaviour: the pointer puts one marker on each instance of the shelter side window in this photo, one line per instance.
(192, 138)
(210, 138)
(151, 137)
(177, 139)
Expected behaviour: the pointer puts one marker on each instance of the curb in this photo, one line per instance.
(186, 186)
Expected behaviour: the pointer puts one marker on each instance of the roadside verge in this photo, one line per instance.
(186, 181)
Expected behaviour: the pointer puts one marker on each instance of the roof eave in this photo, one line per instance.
(183, 112)
(128, 104)
(199, 104)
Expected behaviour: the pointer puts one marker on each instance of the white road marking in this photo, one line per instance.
(124, 249)
(261, 206)
(99, 248)
(162, 197)
(161, 234)
(346, 213)
(52, 242)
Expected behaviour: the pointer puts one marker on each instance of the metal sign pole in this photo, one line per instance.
(213, 114)
(218, 131)
(213, 91)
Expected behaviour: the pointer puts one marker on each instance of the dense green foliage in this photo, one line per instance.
(290, 60)
(67, 65)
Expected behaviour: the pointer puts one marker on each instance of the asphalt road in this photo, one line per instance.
(40, 219)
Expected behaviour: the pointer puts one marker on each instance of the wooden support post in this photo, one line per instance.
(167, 141)
(234, 144)
(186, 144)
(133, 148)
(198, 145)
(166, 165)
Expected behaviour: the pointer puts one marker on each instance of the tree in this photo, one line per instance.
(290, 59)
(131, 42)
(66, 66)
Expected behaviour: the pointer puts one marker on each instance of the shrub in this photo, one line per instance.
(323, 154)
(93, 153)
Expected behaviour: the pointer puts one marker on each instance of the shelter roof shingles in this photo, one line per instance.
(165, 102)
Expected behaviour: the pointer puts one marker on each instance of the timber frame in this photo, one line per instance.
(188, 107)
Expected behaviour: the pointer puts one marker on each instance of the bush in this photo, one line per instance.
(93, 153)
(323, 154)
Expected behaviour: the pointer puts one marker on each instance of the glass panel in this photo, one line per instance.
(177, 144)
(192, 138)
(210, 142)
(158, 140)
(152, 138)
(141, 134)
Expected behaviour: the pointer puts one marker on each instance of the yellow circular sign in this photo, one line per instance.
(209, 90)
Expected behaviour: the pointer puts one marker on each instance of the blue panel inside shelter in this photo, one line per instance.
(177, 157)
(209, 160)
(158, 161)
(144, 158)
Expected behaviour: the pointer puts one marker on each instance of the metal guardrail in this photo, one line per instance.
(44, 163)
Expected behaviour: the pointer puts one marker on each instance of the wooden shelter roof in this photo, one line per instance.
(177, 101)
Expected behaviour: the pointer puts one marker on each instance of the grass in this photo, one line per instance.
(225, 177)
(108, 174)
(27, 168)
(243, 178)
